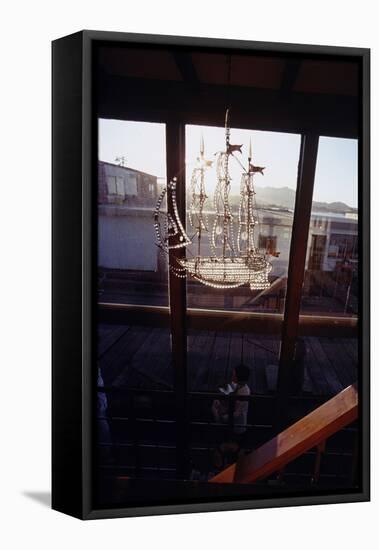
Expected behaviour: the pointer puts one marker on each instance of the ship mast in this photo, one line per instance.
(227, 181)
(202, 195)
(250, 216)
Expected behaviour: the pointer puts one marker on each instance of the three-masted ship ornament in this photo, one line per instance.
(234, 258)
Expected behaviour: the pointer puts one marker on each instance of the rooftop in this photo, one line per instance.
(128, 168)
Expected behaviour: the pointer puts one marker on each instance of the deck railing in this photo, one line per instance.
(311, 431)
(142, 425)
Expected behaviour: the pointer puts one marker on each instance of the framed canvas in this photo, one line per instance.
(210, 274)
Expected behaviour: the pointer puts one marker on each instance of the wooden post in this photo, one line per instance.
(320, 450)
(310, 431)
(175, 152)
(296, 267)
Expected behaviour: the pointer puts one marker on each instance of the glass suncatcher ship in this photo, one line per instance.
(235, 259)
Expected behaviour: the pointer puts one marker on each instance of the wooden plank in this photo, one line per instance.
(218, 363)
(103, 329)
(262, 358)
(255, 359)
(130, 376)
(310, 431)
(351, 346)
(118, 359)
(307, 384)
(265, 352)
(235, 357)
(137, 379)
(227, 372)
(107, 336)
(153, 359)
(272, 377)
(192, 337)
(200, 348)
(330, 375)
(340, 360)
(225, 476)
(272, 344)
(344, 352)
(199, 358)
(311, 378)
(260, 362)
(320, 383)
(328, 358)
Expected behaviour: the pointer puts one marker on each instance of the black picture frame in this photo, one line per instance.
(74, 277)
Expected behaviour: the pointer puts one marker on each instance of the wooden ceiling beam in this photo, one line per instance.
(251, 108)
(186, 67)
(289, 77)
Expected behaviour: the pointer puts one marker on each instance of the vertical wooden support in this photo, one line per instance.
(296, 267)
(175, 146)
(320, 450)
(355, 463)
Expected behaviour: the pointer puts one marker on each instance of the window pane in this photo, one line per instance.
(131, 172)
(275, 199)
(331, 275)
(135, 422)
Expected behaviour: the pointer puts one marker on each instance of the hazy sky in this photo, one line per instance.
(143, 145)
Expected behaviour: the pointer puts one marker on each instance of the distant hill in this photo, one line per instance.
(334, 207)
(275, 196)
(285, 197)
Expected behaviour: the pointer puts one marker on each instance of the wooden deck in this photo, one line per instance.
(135, 356)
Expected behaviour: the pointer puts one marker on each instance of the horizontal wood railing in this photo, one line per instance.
(309, 432)
(230, 321)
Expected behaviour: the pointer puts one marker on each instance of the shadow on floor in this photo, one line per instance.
(42, 497)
